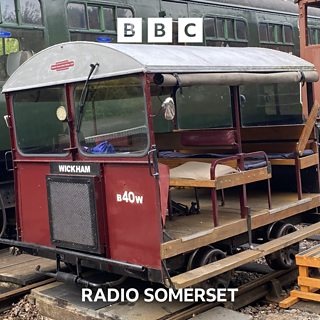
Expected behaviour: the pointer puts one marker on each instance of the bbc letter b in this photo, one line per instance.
(160, 30)
(129, 30)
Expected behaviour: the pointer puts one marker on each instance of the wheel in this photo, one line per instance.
(284, 258)
(206, 256)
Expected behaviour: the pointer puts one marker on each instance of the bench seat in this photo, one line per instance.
(217, 176)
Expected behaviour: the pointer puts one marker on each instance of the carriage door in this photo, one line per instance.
(310, 42)
(40, 140)
(113, 131)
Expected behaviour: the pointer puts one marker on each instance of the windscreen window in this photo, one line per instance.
(38, 128)
(111, 117)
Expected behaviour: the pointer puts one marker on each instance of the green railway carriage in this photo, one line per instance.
(28, 26)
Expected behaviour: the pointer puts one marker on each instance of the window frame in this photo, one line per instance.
(143, 154)
(40, 155)
(276, 25)
(316, 36)
(100, 6)
(225, 29)
(17, 6)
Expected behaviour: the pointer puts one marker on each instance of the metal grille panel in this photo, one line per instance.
(72, 212)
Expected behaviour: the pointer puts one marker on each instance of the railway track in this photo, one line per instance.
(12, 296)
(269, 285)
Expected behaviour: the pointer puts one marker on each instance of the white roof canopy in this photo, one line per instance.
(70, 62)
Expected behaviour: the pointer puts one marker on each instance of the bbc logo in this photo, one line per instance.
(160, 30)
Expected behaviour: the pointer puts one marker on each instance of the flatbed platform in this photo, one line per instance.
(193, 231)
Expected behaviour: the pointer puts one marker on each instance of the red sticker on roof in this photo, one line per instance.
(62, 65)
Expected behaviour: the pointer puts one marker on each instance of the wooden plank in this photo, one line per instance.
(178, 246)
(289, 206)
(8, 260)
(227, 181)
(197, 275)
(191, 183)
(309, 161)
(246, 177)
(304, 272)
(206, 272)
(270, 147)
(282, 162)
(307, 129)
(308, 282)
(289, 239)
(309, 252)
(308, 262)
(23, 272)
(288, 302)
(24, 290)
(175, 162)
(291, 300)
(305, 295)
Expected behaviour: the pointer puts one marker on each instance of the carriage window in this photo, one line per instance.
(31, 12)
(279, 34)
(26, 40)
(93, 17)
(217, 30)
(313, 24)
(114, 121)
(220, 28)
(230, 28)
(288, 34)
(38, 129)
(77, 16)
(241, 28)
(124, 13)
(210, 27)
(8, 11)
(263, 32)
(276, 34)
(109, 20)
(274, 104)
(271, 32)
(213, 107)
(312, 36)
(9, 45)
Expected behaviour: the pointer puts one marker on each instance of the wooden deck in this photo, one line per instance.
(20, 270)
(194, 231)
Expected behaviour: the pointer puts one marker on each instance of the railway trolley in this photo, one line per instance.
(155, 162)
(29, 26)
